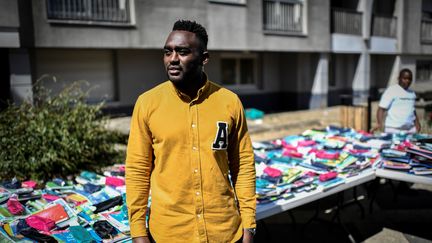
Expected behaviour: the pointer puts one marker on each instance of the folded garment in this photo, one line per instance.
(327, 155)
(395, 165)
(50, 197)
(14, 206)
(38, 237)
(272, 172)
(105, 205)
(40, 223)
(12, 184)
(30, 184)
(80, 234)
(55, 212)
(104, 229)
(328, 176)
(306, 143)
(292, 153)
(91, 188)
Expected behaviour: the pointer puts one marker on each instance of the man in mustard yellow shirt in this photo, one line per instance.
(189, 145)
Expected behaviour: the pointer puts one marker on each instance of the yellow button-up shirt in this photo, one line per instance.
(196, 158)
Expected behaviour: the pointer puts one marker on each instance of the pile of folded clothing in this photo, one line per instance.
(90, 209)
(412, 155)
(326, 158)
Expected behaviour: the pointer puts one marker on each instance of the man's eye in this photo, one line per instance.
(167, 52)
(182, 53)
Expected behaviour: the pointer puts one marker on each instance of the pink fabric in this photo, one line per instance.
(325, 155)
(114, 181)
(288, 146)
(122, 168)
(292, 153)
(40, 223)
(310, 174)
(404, 145)
(272, 172)
(365, 133)
(50, 197)
(358, 151)
(30, 184)
(14, 206)
(306, 143)
(328, 176)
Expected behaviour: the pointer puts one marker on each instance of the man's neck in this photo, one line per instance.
(191, 89)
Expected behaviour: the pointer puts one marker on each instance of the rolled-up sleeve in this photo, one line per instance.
(242, 168)
(139, 160)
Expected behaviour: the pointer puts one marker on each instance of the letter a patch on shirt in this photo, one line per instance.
(221, 139)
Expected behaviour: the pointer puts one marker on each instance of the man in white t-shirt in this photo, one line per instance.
(397, 105)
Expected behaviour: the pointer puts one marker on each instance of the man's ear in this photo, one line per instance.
(205, 57)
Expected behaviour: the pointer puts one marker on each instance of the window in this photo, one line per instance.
(239, 2)
(101, 12)
(239, 70)
(284, 16)
(424, 70)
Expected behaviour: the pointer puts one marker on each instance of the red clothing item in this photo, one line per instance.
(272, 172)
(292, 153)
(114, 181)
(306, 143)
(14, 206)
(328, 176)
(40, 223)
(326, 155)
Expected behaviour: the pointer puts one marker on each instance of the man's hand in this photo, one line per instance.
(247, 236)
(376, 128)
(418, 127)
(141, 239)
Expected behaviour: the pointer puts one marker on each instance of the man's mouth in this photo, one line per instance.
(174, 70)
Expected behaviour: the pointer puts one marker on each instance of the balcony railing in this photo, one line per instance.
(283, 16)
(426, 30)
(346, 21)
(110, 12)
(384, 26)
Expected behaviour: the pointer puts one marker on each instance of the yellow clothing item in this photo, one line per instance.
(183, 150)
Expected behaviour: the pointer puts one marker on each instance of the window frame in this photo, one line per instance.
(231, 2)
(127, 24)
(419, 63)
(303, 18)
(238, 56)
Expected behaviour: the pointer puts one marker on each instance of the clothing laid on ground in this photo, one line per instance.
(183, 150)
(400, 106)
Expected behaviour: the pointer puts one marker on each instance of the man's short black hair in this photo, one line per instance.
(405, 70)
(194, 27)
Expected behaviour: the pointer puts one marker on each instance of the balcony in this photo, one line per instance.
(426, 30)
(384, 26)
(346, 21)
(92, 12)
(283, 17)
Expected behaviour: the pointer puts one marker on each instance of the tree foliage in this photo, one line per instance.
(57, 136)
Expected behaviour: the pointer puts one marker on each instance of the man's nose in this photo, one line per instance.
(174, 57)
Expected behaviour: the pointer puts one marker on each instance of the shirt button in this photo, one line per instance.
(193, 125)
(194, 148)
(196, 170)
(199, 215)
(197, 193)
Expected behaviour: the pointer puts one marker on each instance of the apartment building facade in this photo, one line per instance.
(275, 54)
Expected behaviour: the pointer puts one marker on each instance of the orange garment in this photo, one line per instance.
(179, 149)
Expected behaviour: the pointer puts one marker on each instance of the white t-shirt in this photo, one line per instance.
(400, 106)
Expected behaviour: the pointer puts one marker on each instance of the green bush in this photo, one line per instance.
(57, 136)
